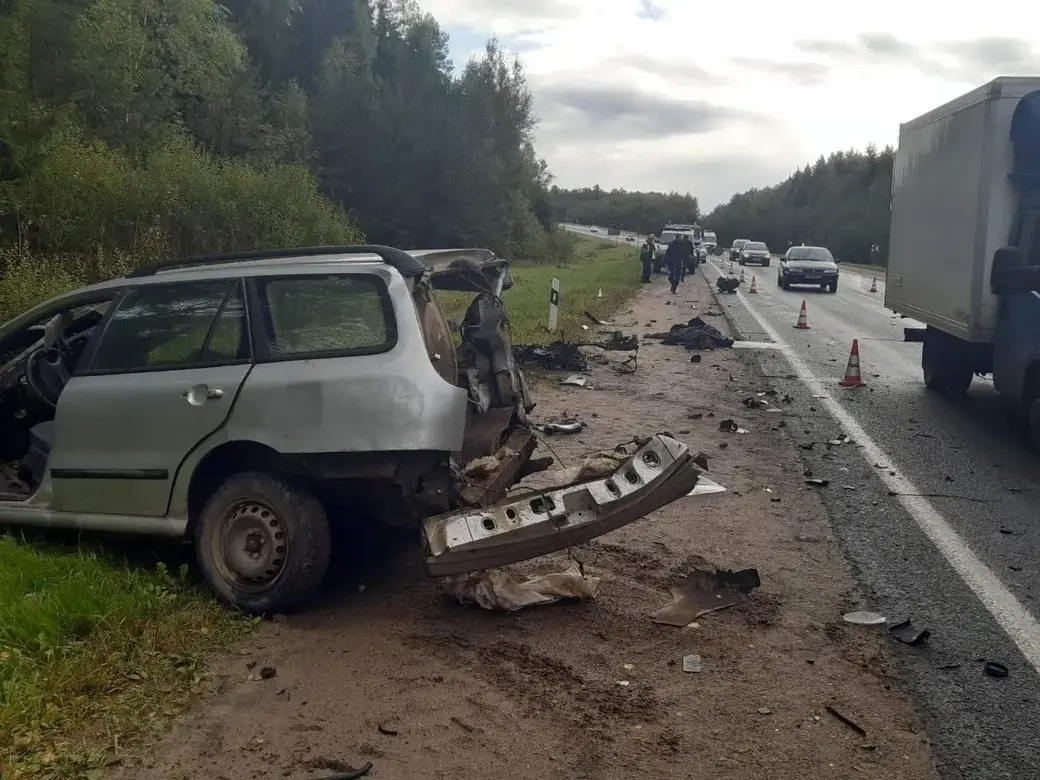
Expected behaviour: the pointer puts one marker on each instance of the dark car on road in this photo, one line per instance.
(735, 247)
(755, 252)
(808, 265)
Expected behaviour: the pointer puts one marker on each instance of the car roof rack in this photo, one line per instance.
(398, 259)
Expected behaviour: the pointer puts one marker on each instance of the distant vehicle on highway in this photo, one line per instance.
(755, 252)
(710, 241)
(735, 247)
(630, 238)
(808, 265)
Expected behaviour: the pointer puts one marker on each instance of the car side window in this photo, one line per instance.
(314, 316)
(171, 326)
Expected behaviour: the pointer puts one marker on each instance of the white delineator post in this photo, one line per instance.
(554, 304)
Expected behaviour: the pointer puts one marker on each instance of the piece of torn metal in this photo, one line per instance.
(575, 380)
(627, 366)
(609, 490)
(562, 427)
(691, 663)
(731, 426)
(862, 617)
(703, 591)
(558, 356)
(619, 342)
(499, 591)
(589, 315)
(706, 487)
(846, 720)
(909, 634)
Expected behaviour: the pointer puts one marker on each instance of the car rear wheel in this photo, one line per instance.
(263, 543)
(784, 283)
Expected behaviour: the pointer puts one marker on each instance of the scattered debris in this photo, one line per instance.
(847, 721)
(731, 427)
(995, 669)
(695, 358)
(696, 334)
(623, 683)
(462, 724)
(387, 728)
(627, 366)
(575, 380)
(497, 590)
(564, 426)
(352, 774)
(695, 415)
(705, 487)
(619, 342)
(909, 634)
(727, 285)
(837, 442)
(703, 591)
(597, 320)
(691, 663)
(764, 711)
(558, 356)
(818, 482)
(862, 617)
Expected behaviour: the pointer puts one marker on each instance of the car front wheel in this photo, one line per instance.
(263, 543)
(765, 264)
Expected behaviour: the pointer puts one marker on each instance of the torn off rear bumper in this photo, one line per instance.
(536, 522)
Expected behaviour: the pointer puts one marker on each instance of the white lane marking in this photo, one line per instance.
(1011, 616)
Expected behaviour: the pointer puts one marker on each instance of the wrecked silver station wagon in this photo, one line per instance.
(246, 401)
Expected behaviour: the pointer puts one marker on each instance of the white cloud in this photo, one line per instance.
(716, 98)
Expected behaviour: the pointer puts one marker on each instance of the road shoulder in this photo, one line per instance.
(390, 670)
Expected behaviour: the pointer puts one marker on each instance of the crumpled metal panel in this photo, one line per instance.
(538, 522)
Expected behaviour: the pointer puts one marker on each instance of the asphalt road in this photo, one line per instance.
(969, 459)
(961, 557)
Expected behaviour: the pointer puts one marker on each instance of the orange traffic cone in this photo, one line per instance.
(742, 279)
(753, 289)
(803, 319)
(852, 375)
(873, 285)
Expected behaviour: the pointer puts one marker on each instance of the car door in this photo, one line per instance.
(161, 377)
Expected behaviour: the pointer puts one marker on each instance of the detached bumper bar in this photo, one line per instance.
(534, 523)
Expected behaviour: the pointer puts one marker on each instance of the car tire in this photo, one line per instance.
(779, 281)
(833, 286)
(785, 284)
(274, 518)
(765, 264)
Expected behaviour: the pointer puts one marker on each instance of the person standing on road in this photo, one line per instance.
(646, 257)
(673, 260)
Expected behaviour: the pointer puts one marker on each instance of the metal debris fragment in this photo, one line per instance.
(909, 634)
(862, 617)
(704, 591)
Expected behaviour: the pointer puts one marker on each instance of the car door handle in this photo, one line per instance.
(198, 394)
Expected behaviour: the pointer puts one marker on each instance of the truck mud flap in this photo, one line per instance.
(536, 522)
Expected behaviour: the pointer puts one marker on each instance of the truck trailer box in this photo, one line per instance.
(952, 208)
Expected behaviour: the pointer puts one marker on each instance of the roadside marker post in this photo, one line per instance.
(554, 305)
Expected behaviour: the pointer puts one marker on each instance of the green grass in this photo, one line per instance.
(596, 265)
(92, 652)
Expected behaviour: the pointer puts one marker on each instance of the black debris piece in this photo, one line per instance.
(995, 669)
(697, 334)
(619, 341)
(818, 482)
(727, 284)
(909, 634)
(695, 358)
(729, 425)
(558, 356)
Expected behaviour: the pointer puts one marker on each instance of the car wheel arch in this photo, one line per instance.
(231, 458)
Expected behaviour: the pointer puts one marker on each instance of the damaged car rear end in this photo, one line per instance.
(254, 401)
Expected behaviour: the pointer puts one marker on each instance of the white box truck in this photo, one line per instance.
(964, 248)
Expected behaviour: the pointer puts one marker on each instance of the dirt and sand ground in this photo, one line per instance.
(390, 670)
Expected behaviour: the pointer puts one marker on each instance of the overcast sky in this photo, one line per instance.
(716, 98)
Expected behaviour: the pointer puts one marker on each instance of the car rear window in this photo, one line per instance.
(347, 314)
(755, 245)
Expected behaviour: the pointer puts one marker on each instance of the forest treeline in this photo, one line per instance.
(134, 130)
(641, 212)
(841, 202)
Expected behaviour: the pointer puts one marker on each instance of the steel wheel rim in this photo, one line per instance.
(251, 546)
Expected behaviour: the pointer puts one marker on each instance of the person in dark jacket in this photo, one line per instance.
(646, 257)
(674, 257)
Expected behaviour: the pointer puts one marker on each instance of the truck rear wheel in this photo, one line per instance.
(945, 368)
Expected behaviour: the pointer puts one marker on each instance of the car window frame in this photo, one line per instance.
(263, 327)
(86, 365)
